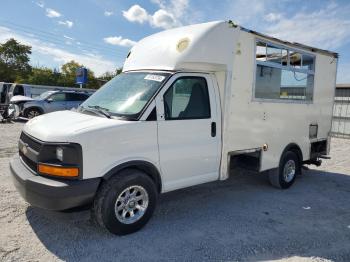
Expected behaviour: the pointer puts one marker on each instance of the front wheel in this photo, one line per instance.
(285, 175)
(32, 112)
(126, 202)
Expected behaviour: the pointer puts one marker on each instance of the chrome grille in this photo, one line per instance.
(31, 142)
(27, 142)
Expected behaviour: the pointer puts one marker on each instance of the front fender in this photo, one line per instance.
(146, 166)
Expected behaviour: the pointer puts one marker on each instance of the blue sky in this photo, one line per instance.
(99, 33)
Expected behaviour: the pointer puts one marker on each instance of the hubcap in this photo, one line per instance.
(131, 204)
(289, 171)
(33, 113)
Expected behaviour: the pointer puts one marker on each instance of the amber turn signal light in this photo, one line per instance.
(58, 171)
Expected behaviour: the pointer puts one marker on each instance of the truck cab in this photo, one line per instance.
(180, 111)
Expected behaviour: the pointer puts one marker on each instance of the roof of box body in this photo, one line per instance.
(294, 44)
(202, 47)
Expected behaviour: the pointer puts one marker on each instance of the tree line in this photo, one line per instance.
(15, 68)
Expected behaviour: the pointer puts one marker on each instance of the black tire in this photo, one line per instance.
(32, 112)
(103, 209)
(277, 176)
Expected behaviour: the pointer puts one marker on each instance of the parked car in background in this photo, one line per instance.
(14, 95)
(34, 91)
(49, 101)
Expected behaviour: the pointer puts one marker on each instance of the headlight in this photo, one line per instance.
(59, 153)
(60, 160)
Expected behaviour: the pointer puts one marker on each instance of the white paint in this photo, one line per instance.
(183, 150)
(20, 98)
(189, 155)
(210, 48)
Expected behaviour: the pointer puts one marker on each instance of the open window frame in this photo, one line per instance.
(288, 67)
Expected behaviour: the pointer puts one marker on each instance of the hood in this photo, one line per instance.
(15, 99)
(63, 126)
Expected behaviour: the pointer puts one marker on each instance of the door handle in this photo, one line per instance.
(213, 129)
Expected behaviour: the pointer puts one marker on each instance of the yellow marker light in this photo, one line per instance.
(182, 44)
(265, 147)
(58, 171)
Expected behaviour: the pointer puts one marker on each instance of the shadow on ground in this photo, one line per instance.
(243, 218)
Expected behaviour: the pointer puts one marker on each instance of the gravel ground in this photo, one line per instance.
(243, 218)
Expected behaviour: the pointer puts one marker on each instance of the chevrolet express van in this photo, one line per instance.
(190, 103)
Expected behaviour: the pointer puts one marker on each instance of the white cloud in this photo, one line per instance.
(136, 14)
(163, 19)
(328, 28)
(40, 4)
(66, 23)
(242, 13)
(52, 13)
(176, 7)
(95, 62)
(108, 13)
(272, 17)
(68, 37)
(168, 16)
(120, 41)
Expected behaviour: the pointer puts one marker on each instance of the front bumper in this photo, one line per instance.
(50, 193)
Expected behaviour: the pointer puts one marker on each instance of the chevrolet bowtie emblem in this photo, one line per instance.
(25, 149)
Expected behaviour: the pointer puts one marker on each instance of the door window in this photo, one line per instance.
(76, 97)
(58, 97)
(187, 98)
(19, 91)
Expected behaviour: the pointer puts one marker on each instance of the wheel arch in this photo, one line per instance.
(294, 148)
(33, 107)
(147, 167)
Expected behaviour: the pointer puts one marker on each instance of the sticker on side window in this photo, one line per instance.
(157, 78)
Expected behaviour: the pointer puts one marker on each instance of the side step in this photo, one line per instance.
(316, 162)
(325, 156)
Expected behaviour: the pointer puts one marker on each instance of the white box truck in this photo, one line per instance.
(190, 103)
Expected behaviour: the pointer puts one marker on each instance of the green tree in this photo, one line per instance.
(106, 76)
(109, 75)
(14, 60)
(41, 76)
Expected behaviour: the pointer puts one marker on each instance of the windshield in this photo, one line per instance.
(127, 93)
(45, 95)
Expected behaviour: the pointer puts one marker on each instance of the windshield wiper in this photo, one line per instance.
(105, 112)
(97, 109)
(102, 110)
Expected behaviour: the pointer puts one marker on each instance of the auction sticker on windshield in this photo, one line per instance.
(157, 78)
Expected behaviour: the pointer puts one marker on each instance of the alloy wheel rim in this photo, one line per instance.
(289, 171)
(32, 114)
(131, 204)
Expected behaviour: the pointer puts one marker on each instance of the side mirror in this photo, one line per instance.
(49, 100)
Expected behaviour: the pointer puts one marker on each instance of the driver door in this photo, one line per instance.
(56, 102)
(188, 131)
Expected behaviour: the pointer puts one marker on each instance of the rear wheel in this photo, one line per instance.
(285, 175)
(32, 112)
(126, 202)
